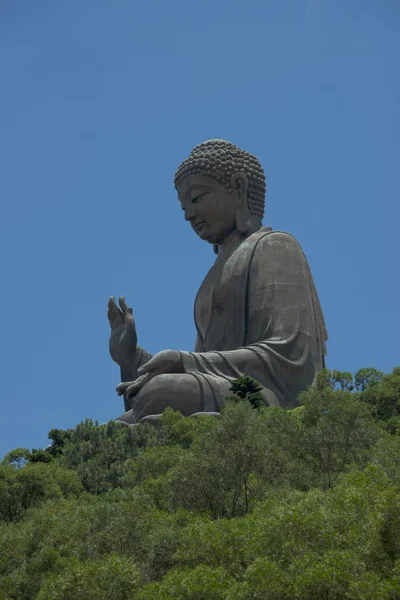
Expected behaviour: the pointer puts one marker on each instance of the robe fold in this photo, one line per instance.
(258, 313)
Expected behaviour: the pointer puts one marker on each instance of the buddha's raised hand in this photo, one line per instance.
(123, 338)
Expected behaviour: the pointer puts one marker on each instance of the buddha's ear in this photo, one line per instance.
(240, 184)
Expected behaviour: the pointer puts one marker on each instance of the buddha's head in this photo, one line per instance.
(221, 189)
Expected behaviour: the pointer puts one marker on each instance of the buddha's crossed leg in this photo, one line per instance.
(181, 392)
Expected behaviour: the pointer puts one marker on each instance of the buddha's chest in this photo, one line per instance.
(206, 295)
(220, 307)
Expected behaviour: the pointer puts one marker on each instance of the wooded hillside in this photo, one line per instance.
(259, 504)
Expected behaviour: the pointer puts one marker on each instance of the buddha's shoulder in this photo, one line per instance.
(267, 237)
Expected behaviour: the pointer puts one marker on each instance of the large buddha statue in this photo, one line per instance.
(257, 311)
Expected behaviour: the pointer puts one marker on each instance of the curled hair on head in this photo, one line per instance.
(220, 159)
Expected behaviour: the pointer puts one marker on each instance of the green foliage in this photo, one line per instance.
(98, 454)
(177, 430)
(344, 379)
(248, 389)
(382, 393)
(217, 543)
(200, 583)
(22, 489)
(39, 455)
(16, 458)
(386, 454)
(338, 428)
(367, 377)
(257, 504)
(114, 577)
(58, 439)
(214, 475)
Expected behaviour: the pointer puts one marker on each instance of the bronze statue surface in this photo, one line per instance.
(257, 311)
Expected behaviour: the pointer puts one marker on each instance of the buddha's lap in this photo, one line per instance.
(169, 383)
(180, 391)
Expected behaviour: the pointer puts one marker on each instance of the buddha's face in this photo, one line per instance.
(208, 207)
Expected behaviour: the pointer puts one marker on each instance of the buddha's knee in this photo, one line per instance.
(157, 386)
(154, 396)
(178, 391)
(151, 399)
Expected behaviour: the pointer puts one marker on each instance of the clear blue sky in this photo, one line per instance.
(99, 103)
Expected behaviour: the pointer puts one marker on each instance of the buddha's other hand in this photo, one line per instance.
(123, 338)
(167, 361)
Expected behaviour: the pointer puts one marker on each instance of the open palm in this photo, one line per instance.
(123, 337)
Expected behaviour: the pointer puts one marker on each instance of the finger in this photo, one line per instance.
(111, 314)
(112, 306)
(115, 315)
(122, 387)
(110, 318)
(146, 368)
(124, 307)
(136, 385)
(128, 317)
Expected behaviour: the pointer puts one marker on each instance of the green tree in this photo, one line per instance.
(99, 453)
(383, 395)
(344, 379)
(366, 377)
(40, 455)
(215, 474)
(113, 577)
(201, 583)
(249, 389)
(16, 458)
(386, 454)
(338, 428)
(58, 439)
(176, 430)
(30, 486)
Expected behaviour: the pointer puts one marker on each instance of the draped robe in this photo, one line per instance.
(257, 313)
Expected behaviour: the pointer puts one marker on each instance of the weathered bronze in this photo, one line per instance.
(257, 311)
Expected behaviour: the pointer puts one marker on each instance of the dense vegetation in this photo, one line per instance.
(259, 504)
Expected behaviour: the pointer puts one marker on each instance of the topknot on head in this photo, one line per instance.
(220, 159)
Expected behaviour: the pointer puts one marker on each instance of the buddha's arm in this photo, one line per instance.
(141, 357)
(199, 347)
